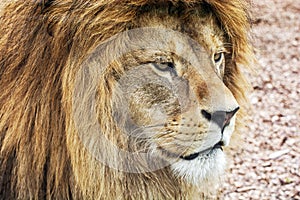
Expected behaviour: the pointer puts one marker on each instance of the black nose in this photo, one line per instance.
(221, 118)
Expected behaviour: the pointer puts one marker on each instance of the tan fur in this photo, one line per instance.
(42, 45)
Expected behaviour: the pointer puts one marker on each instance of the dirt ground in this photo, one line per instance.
(268, 165)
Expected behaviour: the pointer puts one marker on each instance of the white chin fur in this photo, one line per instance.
(202, 169)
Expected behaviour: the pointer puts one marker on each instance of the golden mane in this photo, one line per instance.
(38, 39)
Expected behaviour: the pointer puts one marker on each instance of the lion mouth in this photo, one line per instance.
(207, 151)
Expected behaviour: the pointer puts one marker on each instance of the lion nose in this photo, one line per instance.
(221, 118)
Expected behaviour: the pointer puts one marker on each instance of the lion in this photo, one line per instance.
(120, 99)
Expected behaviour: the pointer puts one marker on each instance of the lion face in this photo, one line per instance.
(173, 98)
(161, 97)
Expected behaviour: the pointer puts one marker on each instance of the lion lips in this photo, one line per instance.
(207, 151)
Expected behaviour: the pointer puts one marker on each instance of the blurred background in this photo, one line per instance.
(267, 167)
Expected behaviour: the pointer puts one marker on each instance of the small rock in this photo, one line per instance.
(278, 154)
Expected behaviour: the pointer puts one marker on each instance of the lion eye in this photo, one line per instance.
(218, 57)
(219, 63)
(166, 66)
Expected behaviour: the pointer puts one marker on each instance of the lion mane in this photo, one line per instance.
(40, 44)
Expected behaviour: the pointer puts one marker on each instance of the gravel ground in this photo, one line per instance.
(268, 165)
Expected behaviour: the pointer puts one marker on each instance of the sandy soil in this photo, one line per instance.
(268, 165)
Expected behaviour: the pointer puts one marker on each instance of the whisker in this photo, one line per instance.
(145, 131)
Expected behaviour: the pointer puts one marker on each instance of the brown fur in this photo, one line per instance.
(40, 44)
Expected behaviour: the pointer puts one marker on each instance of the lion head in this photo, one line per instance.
(119, 99)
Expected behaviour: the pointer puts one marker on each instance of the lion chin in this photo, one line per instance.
(114, 99)
(206, 167)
